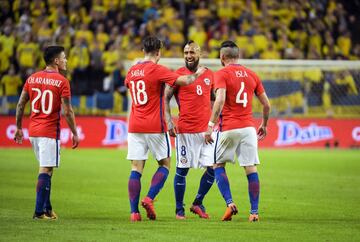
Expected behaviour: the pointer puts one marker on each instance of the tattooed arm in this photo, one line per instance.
(189, 79)
(24, 98)
(169, 92)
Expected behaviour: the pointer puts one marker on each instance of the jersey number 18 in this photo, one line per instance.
(139, 92)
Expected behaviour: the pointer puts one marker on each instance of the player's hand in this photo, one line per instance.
(173, 131)
(261, 132)
(201, 70)
(75, 141)
(208, 138)
(18, 137)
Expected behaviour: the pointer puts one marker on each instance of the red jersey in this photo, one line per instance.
(240, 83)
(194, 102)
(146, 82)
(45, 89)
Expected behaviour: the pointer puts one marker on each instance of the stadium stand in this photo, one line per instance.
(100, 36)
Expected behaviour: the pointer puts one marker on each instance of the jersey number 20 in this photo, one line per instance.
(139, 92)
(45, 95)
(242, 100)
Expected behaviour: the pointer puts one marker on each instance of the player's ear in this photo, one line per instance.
(56, 61)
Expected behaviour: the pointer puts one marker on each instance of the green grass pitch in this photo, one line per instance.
(306, 195)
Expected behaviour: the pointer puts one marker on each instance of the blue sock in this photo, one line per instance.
(205, 184)
(43, 180)
(223, 184)
(134, 188)
(179, 186)
(158, 181)
(47, 203)
(254, 191)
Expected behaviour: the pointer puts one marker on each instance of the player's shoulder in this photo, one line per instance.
(209, 72)
(250, 72)
(222, 70)
(182, 70)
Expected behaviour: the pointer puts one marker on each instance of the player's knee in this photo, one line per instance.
(47, 170)
(250, 169)
(137, 166)
(217, 165)
(165, 163)
(182, 171)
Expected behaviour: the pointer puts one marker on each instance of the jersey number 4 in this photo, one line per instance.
(46, 97)
(139, 92)
(242, 100)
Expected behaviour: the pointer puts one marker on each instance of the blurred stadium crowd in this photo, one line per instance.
(100, 34)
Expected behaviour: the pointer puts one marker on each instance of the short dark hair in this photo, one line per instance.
(151, 44)
(232, 50)
(228, 43)
(189, 42)
(52, 52)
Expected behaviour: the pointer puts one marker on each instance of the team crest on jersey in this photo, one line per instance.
(207, 81)
(183, 160)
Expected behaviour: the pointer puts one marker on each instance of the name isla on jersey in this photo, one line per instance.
(241, 74)
(137, 73)
(45, 81)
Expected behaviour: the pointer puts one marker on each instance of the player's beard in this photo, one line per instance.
(193, 66)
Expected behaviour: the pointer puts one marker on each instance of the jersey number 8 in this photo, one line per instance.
(43, 96)
(139, 92)
(244, 100)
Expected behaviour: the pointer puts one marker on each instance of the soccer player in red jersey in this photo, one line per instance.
(47, 91)
(194, 103)
(147, 128)
(235, 86)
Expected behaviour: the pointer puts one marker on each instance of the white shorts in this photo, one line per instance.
(139, 145)
(47, 151)
(240, 142)
(192, 152)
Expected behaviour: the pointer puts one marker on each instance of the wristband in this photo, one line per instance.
(211, 124)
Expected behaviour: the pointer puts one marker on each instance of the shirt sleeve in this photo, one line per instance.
(212, 80)
(220, 79)
(167, 76)
(259, 89)
(26, 86)
(65, 90)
